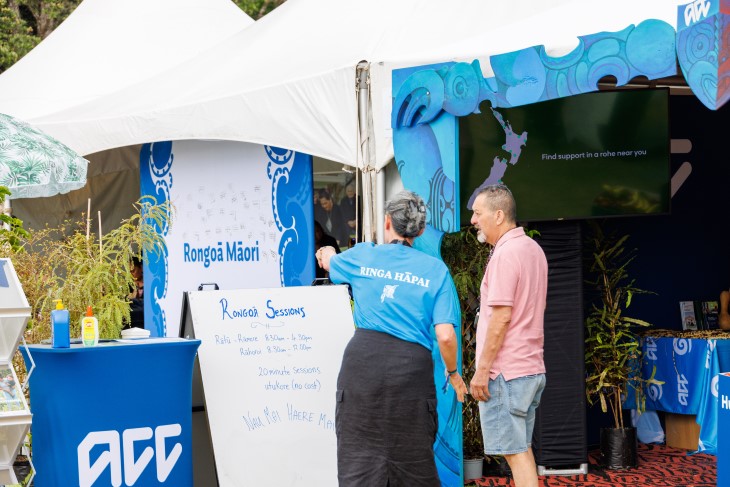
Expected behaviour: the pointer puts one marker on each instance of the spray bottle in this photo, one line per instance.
(89, 329)
(60, 326)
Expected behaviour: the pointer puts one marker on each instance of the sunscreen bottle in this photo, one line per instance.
(89, 329)
(60, 326)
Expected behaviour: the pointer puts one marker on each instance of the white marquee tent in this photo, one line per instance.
(102, 47)
(290, 79)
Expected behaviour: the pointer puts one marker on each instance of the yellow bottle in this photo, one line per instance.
(89, 329)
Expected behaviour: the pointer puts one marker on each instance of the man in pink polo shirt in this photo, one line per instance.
(510, 371)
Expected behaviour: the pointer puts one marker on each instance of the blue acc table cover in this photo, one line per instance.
(683, 365)
(116, 414)
(688, 369)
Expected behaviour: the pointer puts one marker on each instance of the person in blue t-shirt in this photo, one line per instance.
(385, 417)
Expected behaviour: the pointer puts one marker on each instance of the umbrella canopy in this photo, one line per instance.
(34, 164)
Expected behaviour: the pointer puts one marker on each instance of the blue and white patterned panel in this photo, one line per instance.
(155, 165)
(291, 197)
(703, 49)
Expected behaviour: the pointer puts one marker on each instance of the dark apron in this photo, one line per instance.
(386, 418)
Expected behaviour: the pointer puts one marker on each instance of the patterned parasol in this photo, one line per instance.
(34, 164)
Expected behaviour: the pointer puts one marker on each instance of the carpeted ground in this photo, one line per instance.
(659, 466)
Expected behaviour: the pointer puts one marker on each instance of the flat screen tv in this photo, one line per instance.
(586, 156)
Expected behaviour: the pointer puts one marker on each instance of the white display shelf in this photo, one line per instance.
(13, 428)
(11, 292)
(15, 416)
(7, 475)
(12, 326)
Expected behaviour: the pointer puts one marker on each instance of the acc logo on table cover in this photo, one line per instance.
(651, 349)
(655, 392)
(133, 468)
(715, 386)
(682, 346)
(682, 389)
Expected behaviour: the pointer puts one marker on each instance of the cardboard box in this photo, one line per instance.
(682, 431)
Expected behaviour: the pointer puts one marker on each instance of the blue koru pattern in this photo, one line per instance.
(703, 47)
(155, 163)
(291, 193)
(530, 75)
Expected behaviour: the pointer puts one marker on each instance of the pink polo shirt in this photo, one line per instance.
(516, 276)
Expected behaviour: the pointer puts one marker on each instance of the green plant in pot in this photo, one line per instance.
(612, 346)
(466, 259)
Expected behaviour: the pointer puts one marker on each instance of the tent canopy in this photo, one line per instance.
(106, 45)
(289, 79)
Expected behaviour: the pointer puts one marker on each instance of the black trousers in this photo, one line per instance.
(386, 420)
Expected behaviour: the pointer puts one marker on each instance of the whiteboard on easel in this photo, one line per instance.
(269, 360)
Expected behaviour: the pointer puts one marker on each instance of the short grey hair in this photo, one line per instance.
(408, 213)
(499, 197)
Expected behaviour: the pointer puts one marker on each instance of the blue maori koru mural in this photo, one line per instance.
(291, 197)
(155, 163)
(427, 100)
(703, 49)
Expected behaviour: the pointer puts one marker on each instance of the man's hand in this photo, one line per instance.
(480, 385)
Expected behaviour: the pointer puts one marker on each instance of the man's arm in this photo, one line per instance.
(498, 324)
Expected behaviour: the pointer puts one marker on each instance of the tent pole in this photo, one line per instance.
(364, 154)
(380, 205)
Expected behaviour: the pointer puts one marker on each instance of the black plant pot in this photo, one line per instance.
(496, 466)
(618, 448)
(22, 469)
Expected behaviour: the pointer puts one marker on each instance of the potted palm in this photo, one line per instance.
(612, 346)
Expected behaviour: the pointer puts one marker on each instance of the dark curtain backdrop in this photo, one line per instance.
(559, 440)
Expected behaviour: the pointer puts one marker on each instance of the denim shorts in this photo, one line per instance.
(508, 418)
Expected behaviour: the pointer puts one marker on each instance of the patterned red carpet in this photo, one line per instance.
(659, 466)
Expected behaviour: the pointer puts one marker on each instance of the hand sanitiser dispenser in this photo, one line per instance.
(60, 326)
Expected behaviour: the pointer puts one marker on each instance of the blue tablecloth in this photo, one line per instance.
(688, 368)
(112, 412)
(682, 364)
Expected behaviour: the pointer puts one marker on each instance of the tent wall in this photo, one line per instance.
(112, 184)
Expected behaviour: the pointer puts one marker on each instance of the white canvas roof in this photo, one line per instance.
(289, 79)
(106, 45)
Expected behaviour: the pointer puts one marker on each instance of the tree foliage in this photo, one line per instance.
(16, 36)
(257, 8)
(12, 232)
